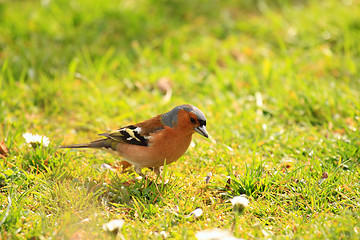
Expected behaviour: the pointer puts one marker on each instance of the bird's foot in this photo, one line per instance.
(157, 170)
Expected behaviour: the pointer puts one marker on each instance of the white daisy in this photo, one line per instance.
(239, 203)
(196, 213)
(114, 226)
(36, 140)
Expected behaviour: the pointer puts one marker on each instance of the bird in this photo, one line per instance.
(153, 142)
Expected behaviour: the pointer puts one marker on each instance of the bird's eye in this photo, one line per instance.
(192, 120)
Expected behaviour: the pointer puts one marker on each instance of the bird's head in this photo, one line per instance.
(187, 116)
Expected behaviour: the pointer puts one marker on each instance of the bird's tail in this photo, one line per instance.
(101, 143)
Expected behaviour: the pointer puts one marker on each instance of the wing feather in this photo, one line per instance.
(131, 135)
(138, 134)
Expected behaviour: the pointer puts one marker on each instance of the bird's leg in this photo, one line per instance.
(157, 170)
(138, 170)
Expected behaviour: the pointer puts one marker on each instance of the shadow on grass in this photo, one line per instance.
(137, 197)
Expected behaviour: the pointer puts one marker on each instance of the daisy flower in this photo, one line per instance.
(239, 203)
(196, 213)
(114, 226)
(34, 140)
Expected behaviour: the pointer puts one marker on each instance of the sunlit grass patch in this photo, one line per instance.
(277, 80)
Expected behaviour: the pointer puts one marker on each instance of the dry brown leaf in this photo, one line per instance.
(324, 175)
(121, 166)
(164, 84)
(4, 151)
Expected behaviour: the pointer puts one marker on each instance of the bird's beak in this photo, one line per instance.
(202, 131)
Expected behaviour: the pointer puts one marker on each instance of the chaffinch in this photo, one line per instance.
(151, 143)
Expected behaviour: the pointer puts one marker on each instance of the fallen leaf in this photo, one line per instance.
(165, 85)
(324, 175)
(121, 166)
(4, 151)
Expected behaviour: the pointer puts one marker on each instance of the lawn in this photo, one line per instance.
(277, 80)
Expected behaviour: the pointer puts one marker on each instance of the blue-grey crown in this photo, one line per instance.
(170, 118)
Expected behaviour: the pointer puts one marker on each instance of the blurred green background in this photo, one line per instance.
(277, 80)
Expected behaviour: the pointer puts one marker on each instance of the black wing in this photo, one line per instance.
(129, 134)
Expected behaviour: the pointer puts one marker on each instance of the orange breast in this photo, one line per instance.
(168, 144)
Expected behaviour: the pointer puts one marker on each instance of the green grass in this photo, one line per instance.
(277, 80)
